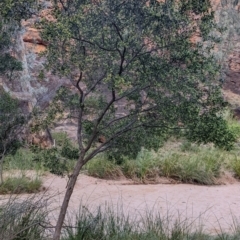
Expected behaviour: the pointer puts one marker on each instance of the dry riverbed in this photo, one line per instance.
(214, 207)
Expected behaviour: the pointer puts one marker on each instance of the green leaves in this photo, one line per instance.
(212, 128)
(136, 68)
(11, 121)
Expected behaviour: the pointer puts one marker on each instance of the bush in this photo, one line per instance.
(22, 159)
(103, 168)
(52, 160)
(202, 168)
(236, 167)
(211, 128)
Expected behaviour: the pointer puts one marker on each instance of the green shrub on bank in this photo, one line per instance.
(103, 168)
(22, 159)
(186, 162)
(202, 168)
(66, 146)
(57, 160)
(236, 167)
(22, 184)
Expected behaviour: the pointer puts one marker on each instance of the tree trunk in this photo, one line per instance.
(67, 196)
(1, 170)
(1, 165)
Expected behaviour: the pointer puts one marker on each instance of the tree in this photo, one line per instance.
(11, 125)
(11, 117)
(136, 72)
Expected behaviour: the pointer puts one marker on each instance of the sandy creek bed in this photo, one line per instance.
(211, 206)
(216, 205)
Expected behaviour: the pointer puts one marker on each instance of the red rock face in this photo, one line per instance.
(229, 15)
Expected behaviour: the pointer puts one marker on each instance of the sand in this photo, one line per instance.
(214, 207)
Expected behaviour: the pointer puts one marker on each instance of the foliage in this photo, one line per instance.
(11, 10)
(11, 124)
(236, 167)
(18, 185)
(11, 14)
(181, 160)
(138, 60)
(22, 159)
(22, 219)
(212, 128)
(57, 159)
(103, 168)
(52, 160)
(105, 223)
(11, 120)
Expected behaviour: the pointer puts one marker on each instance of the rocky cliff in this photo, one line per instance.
(33, 86)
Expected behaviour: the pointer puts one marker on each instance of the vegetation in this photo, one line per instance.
(22, 184)
(11, 14)
(58, 160)
(11, 125)
(104, 223)
(139, 78)
(11, 118)
(23, 219)
(183, 162)
(136, 54)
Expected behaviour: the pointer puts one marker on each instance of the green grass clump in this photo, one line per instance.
(203, 167)
(22, 159)
(103, 168)
(182, 161)
(236, 167)
(17, 185)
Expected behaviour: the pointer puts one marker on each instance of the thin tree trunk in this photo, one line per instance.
(67, 196)
(1, 170)
(1, 166)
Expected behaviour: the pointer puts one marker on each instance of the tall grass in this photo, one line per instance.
(23, 219)
(106, 224)
(23, 159)
(184, 162)
(20, 184)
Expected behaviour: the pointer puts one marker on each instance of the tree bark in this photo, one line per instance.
(1, 170)
(1, 165)
(67, 196)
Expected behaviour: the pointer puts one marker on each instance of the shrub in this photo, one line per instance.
(236, 167)
(52, 160)
(103, 168)
(17, 185)
(22, 159)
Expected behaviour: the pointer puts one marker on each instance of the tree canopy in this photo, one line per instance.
(137, 73)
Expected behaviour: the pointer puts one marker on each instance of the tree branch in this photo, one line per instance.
(95, 130)
(95, 84)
